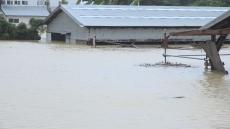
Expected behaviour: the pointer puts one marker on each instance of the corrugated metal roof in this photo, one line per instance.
(142, 16)
(25, 11)
(217, 22)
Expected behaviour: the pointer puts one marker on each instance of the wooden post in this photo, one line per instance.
(165, 45)
(94, 41)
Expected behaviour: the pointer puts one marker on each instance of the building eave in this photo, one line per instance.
(56, 12)
(142, 26)
(52, 15)
(22, 16)
(81, 20)
(20, 11)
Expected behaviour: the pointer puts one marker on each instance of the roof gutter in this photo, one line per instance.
(143, 26)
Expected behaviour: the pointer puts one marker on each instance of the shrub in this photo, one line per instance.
(9, 31)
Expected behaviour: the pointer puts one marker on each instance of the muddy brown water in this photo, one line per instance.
(59, 86)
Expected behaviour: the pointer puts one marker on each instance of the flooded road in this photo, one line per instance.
(58, 86)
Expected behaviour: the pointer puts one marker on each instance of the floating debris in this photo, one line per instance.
(167, 64)
(179, 97)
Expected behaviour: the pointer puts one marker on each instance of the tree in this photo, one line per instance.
(64, 2)
(165, 2)
(37, 24)
(209, 3)
(21, 32)
(9, 31)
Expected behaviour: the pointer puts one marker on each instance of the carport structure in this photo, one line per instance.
(218, 30)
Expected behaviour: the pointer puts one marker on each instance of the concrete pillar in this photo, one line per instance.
(48, 37)
(69, 39)
(94, 41)
(214, 57)
(72, 41)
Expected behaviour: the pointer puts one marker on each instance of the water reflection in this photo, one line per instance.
(215, 88)
(215, 84)
(213, 78)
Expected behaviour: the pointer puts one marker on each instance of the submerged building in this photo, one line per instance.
(109, 23)
(17, 11)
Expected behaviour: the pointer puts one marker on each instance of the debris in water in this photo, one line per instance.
(179, 97)
(167, 64)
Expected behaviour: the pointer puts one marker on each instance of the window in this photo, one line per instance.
(46, 3)
(17, 2)
(24, 2)
(16, 20)
(3, 2)
(9, 2)
(13, 20)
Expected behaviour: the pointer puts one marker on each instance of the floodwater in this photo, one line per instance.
(59, 86)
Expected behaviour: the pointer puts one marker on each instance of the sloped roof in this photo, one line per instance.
(35, 11)
(139, 16)
(223, 21)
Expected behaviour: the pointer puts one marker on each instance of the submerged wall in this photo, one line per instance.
(23, 19)
(140, 34)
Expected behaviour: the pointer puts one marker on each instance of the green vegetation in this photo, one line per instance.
(164, 2)
(10, 31)
(64, 2)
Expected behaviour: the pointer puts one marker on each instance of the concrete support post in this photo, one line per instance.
(67, 39)
(94, 41)
(214, 57)
(48, 37)
(72, 41)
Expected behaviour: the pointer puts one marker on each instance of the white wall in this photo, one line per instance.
(64, 24)
(30, 2)
(54, 3)
(139, 34)
(23, 19)
(72, 1)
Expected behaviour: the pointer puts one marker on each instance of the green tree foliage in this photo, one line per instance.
(9, 31)
(165, 2)
(6, 30)
(21, 32)
(211, 3)
(37, 25)
(64, 1)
